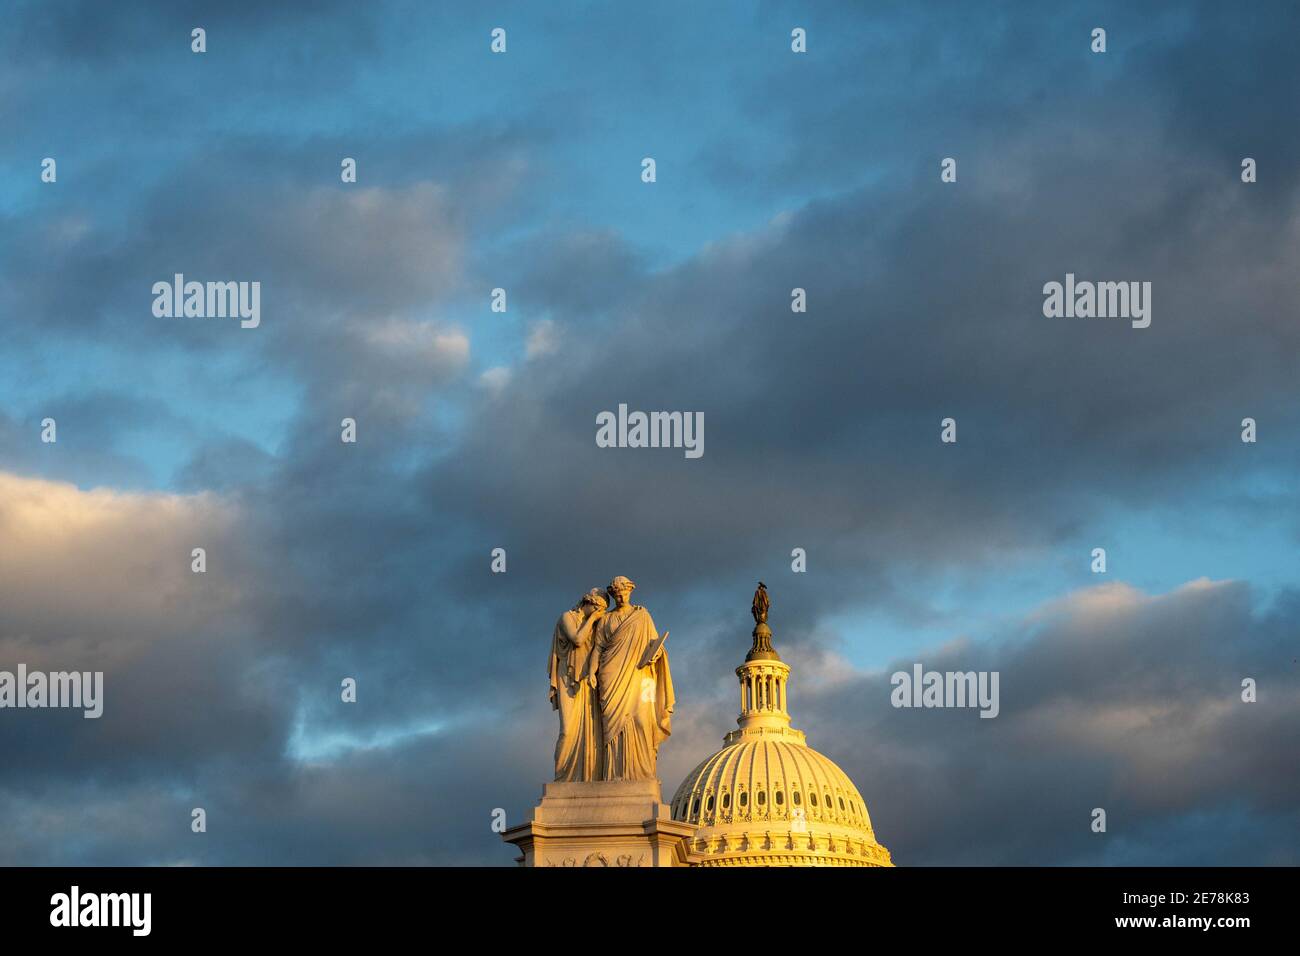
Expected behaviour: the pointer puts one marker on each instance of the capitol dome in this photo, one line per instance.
(767, 798)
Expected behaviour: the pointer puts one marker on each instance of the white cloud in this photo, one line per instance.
(496, 378)
(438, 349)
(543, 339)
(107, 570)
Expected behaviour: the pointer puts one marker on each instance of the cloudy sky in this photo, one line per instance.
(476, 429)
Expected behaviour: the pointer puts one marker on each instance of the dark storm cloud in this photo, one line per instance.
(1109, 699)
(369, 251)
(822, 430)
(114, 34)
(430, 801)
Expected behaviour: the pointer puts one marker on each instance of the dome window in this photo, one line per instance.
(812, 797)
(708, 804)
(796, 798)
(762, 798)
(744, 799)
(841, 804)
(780, 798)
(695, 807)
(726, 801)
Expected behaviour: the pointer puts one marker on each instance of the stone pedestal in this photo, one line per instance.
(604, 823)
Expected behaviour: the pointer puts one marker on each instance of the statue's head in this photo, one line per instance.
(593, 599)
(620, 589)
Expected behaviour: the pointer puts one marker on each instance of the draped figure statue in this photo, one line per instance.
(579, 749)
(635, 687)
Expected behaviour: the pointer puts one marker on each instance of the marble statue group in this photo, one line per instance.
(612, 688)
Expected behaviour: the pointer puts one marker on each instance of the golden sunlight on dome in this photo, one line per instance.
(767, 798)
